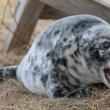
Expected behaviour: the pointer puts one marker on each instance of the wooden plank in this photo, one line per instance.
(80, 7)
(104, 2)
(27, 16)
(51, 13)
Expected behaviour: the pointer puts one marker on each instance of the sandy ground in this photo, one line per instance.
(13, 96)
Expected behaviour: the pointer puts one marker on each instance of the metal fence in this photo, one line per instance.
(7, 13)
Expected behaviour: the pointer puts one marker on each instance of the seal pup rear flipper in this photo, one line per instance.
(8, 72)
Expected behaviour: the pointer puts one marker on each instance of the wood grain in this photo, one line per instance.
(72, 7)
(27, 17)
(51, 13)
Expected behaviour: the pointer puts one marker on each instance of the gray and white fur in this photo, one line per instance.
(67, 55)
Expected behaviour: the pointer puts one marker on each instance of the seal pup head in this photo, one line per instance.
(95, 47)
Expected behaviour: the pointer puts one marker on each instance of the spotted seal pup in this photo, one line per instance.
(67, 55)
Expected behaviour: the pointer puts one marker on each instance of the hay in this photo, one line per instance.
(13, 96)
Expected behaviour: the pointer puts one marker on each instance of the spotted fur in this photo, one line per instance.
(67, 56)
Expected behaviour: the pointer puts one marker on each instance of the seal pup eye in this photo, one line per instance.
(94, 53)
(105, 45)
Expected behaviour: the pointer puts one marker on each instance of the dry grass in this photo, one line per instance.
(13, 96)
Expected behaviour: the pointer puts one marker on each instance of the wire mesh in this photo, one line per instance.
(7, 17)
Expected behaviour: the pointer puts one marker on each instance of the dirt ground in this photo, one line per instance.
(13, 96)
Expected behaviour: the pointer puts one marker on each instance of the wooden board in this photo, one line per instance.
(27, 16)
(94, 7)
(31, 10)
(106, 3)
(51, 13)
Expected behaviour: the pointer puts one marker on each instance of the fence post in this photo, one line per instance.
(26, 17)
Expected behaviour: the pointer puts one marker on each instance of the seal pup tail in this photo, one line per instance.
(8, 72)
